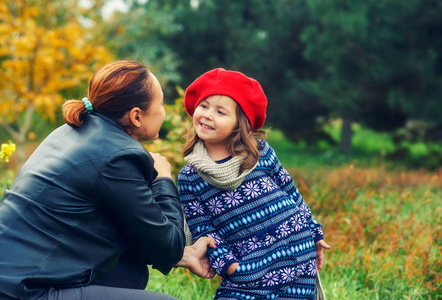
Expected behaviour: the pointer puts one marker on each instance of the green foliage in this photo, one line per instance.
(377, 63)
(6, 178)
(261, 39)
(145, 39)
(369, 147)
(381, 65)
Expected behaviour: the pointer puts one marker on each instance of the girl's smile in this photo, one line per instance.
(206, 127)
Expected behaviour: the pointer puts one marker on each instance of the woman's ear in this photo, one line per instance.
(135, 116)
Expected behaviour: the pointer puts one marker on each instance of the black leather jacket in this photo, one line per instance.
(85, 196)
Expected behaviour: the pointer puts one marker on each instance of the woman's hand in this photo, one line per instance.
(195, 259)
(319, 245)
(161, 164)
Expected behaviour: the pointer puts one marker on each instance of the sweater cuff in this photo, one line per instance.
(223, 271)
(318, 238)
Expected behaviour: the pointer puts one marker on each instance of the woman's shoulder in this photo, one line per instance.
(100, 141)
(111, 137)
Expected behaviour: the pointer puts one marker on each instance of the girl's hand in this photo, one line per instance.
(232, 268)
(319, 245)
(162, 166)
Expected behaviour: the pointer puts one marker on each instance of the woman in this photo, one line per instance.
(91, 207)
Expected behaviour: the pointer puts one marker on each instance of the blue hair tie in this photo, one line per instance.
(87, 104)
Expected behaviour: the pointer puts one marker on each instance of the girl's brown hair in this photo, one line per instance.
(114, 90)
(244, 141)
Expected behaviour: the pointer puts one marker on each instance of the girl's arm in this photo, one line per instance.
(200, 225)
(285, 182)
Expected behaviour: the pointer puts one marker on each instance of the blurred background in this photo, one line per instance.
(326, 66)
(354, 90)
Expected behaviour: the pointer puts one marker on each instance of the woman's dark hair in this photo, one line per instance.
(244, 141)
(114, 90)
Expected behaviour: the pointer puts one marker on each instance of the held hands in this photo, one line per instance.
(161, 164)
(195, 259)
(319, 245)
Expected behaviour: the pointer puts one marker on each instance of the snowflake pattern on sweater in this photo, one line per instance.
(264, 225)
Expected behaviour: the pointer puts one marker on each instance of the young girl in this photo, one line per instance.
(235, 190)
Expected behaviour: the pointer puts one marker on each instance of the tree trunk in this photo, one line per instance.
(19, 136)
(346, 134)
(21, 152)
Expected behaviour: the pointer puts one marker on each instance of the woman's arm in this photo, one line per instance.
(148, 214)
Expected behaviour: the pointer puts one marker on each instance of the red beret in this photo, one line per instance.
(246, 91)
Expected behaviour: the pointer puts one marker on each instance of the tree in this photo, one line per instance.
(145, 39)
(378, 63)
(43, 52)
(373, 62)
(382, 63)
(260, 39)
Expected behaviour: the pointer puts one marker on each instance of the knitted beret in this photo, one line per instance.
(246, 91)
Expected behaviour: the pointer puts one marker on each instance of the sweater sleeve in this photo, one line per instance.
(286, 183)
(148, 214)
(200, 224)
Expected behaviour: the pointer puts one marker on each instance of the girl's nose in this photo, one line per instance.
(208, 115)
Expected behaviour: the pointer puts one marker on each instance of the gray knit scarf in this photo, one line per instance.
(224, 176)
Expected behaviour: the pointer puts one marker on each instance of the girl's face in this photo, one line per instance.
(215, 119)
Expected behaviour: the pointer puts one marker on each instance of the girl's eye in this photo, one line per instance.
(221, 112)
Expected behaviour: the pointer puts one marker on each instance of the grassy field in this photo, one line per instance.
(383, 222)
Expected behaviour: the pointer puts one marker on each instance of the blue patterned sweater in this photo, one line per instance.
(264, 225)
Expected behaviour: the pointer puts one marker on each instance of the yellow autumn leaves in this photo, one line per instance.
(41, 57)
(47, 48)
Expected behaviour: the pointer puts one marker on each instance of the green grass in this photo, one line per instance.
(369, 148)
(301, 155)
(182, 284)
(363, 140)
